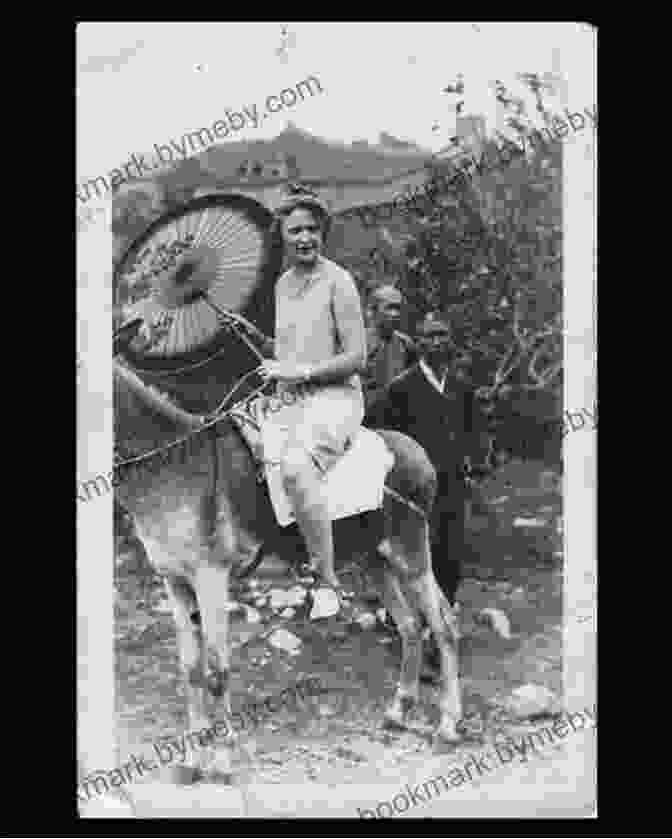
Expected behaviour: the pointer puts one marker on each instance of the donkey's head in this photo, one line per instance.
(144, 418)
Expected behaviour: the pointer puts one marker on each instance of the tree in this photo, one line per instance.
(486, 252)
(134, 206)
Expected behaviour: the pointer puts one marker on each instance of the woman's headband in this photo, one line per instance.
(301, 196)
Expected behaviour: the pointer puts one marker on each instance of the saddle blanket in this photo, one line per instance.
(353, 485)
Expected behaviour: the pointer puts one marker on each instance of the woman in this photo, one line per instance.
(320, 349)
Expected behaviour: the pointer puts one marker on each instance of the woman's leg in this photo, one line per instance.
(302, 481)
(322, 426)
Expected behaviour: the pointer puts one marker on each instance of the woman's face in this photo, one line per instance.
(302, 236)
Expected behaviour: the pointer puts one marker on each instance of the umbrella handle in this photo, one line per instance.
(231, 319)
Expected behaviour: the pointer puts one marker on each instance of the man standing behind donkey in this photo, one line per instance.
(435, 405)
(390, 351)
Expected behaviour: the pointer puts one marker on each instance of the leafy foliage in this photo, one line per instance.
(486, 252)
(133, 209)
(481, 242)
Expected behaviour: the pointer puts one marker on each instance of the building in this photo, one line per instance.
(347, 175)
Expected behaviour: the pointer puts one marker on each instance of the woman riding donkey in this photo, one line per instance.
(320, 350)
(201, 517)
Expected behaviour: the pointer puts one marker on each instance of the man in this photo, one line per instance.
(433, 403)
(320, 350)
(390, 351)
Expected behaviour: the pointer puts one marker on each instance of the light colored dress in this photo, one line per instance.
(318, 316)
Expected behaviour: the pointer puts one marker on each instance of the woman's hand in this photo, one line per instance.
(283, 371)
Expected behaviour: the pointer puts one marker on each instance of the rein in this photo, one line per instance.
(236, 323)
(218, 415)
(206, 422)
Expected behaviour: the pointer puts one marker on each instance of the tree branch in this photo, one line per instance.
(541, 379)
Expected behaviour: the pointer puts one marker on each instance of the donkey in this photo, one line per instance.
(198, 515)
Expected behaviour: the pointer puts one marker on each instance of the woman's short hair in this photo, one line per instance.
(297, 196)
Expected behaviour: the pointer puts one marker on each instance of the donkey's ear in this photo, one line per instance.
(125, 334)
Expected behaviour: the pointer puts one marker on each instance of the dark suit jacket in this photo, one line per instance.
(446, 424)
(386, 360)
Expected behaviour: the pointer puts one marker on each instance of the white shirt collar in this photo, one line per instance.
(431, 377)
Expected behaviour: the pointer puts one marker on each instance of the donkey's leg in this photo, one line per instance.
(193, 661)
(443, 624)
(407, 549)
(212, 589)
(404, 553)
(409, 554)
(408, 626)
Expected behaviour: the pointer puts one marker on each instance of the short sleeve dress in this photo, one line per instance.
(318, 316)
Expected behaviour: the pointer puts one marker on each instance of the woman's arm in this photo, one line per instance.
(349, 322)
(265, 344)
(349, 325)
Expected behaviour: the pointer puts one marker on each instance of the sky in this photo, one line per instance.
(145, 83)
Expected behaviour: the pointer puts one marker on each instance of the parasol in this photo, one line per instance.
(190, 268)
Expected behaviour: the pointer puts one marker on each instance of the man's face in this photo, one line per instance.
(438, 348)
(302, 236)
(389, 317)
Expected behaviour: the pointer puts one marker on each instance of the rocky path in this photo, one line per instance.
(512, 639)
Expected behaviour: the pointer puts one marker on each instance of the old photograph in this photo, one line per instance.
(336, 420)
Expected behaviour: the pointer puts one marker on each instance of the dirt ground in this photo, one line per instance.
(338, 738)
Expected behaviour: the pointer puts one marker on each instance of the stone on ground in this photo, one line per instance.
(532, 700)
(325, 604)
(278, 598)
(366, 620)
(523, 522)
(283, 640)
(296, 596)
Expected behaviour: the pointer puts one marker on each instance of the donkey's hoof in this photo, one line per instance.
(396, 716)
(216, 683)
(431, 668)
(394, 721)
(446, 736)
